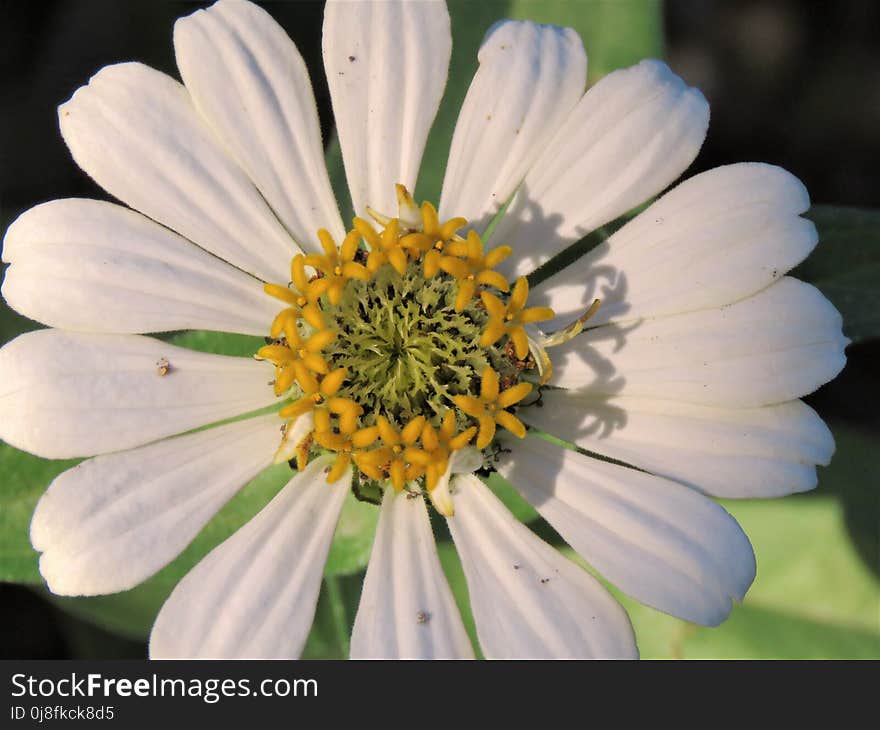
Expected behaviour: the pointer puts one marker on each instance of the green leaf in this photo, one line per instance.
(24, 477)
(353, 539)
(217, 343)
(512, 499)
(336, 170)
(12, 323)
(616, 33)
(846, 266)
(455, 575)
(851, 479)
(334, 617)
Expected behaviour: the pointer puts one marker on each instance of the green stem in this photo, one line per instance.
(338, 612)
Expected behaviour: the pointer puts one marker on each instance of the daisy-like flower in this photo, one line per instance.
(402, 350)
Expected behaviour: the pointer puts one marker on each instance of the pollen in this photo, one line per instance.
(396, 349)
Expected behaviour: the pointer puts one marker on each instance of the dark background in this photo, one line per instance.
(792, 83)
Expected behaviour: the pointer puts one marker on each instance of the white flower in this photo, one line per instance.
(689, 370)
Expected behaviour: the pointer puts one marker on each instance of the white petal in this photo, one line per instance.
(64, 394)
(776, 346)
(407, 610)
(137, 133)
(527, 599)
(386, 66)
(254, 595)
(98, 267)
(716, 238)
(251, 85)
(660, 542)
(111, 522)
(530, 77)
(735, 453)
(465, 460)
(293, 437)
(631, 135)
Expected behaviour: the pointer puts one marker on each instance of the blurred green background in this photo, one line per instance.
(789, 83)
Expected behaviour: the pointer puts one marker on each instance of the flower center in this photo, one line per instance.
(402, 351)
(405, 348)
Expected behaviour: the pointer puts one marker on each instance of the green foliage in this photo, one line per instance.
(517, 505)
(217, 343)
(353, 539)
(846, 266)
(24, 477)
(334, 617)
(616, 33)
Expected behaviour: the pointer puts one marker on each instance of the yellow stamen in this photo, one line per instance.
(572, 330)
(509, 318)
(489, 408)
(340, 466)
(325, 407)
